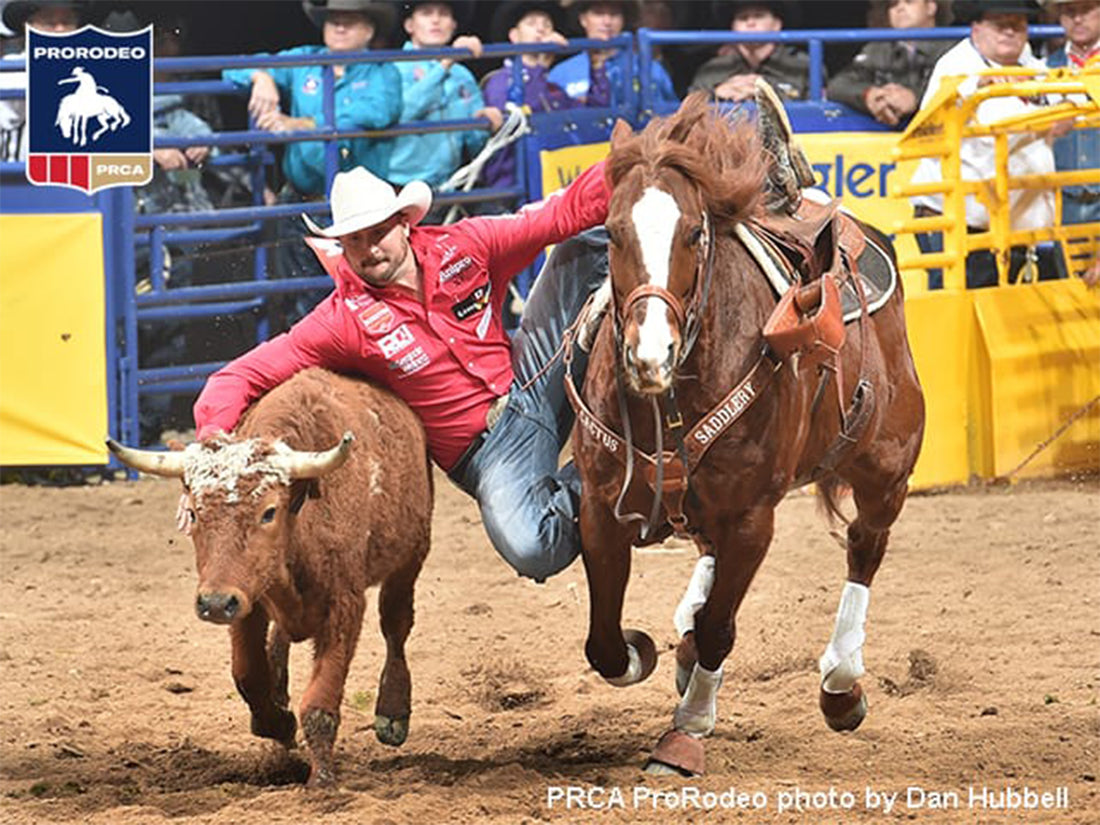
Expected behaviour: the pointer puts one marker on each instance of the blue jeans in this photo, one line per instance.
(530, 507)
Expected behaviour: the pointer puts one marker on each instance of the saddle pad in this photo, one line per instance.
(877, 274)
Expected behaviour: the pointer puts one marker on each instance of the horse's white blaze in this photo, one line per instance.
(655, 217)
(698, 709)
(842, 662)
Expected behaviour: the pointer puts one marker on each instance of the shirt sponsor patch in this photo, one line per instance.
(396, 341)
(412, 361)
(377, 318)
(473, 303)
(457, 268)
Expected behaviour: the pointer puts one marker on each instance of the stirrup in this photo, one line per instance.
(790, 171)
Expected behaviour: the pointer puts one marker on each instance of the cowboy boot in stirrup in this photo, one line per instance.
(790, 171)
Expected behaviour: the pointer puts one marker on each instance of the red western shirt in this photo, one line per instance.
(447, 356)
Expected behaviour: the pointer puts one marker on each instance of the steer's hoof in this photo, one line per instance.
(391, 730)
(647, 652)
(677, 753)
(844, 711)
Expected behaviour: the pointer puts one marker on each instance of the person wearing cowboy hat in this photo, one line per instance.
(418, 309)
(438, 90)
(998, 38)
(43, 16)
(289, 98)
(523, 21)
(887, 78)
(597, 78)
(1080, 149)
(732, 74)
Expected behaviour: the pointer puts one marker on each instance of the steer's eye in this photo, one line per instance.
(268, 516)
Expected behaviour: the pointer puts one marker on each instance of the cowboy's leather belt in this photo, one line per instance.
(496, 410)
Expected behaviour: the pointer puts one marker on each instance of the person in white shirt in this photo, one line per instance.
(998, 38)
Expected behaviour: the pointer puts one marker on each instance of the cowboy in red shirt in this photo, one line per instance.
(418, 309)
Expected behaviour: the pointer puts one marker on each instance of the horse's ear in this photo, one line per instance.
(620, 133)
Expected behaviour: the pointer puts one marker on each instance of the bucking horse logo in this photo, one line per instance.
(90, 100)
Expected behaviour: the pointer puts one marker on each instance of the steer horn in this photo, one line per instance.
(302, 464)
(167, 464)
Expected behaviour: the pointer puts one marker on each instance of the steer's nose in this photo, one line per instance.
(220, 608)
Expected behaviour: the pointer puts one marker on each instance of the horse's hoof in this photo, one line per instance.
(686, 657)
(647, 652)
(676, 753)
(844, 711)
(391, 731)
(280, 726)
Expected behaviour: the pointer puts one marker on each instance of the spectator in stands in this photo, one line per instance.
(289, 98)
(998, 38)
(595, 78)
(44, 16)
(1080, 149)
(523, 21)
(436, 90)
(887, 78)
(417, 309)
(731, 75)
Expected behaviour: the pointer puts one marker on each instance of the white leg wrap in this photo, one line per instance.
(698, 589)
(842, 663)
(633, 669)
(698, 709)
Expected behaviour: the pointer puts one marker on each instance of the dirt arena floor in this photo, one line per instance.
(983, 659)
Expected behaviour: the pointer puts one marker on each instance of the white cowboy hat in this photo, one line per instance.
(360, 200)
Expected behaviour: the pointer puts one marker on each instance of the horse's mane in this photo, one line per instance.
(723, 157)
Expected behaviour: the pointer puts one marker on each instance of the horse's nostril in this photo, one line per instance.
(231, 606)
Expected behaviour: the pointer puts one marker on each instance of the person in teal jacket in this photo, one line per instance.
(368, 95)
(438, 90)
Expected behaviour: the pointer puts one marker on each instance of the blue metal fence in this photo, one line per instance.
(125, 231)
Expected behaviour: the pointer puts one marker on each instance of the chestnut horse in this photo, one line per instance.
(686, 353)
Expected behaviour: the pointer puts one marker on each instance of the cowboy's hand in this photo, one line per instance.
(184, 511)
(197, 154)
(170, 158)
(493, 115)
(736, 88)
(1061, 128)
(265, 94)
(466, 41)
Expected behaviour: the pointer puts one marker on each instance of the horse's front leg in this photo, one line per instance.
(740, 546)
(622, 659)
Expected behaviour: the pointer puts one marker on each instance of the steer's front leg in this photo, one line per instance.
(320, 707)
(255, 681)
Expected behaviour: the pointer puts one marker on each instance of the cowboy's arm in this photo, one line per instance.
(511, 242)
(230, 390)
(853, 82)
(378, 105)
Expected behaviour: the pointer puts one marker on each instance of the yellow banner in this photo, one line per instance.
(561, 166)
(53, 371)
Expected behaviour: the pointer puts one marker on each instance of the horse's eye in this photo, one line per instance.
(268, 516)
(695, 236)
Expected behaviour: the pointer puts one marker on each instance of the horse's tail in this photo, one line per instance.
(829, 490)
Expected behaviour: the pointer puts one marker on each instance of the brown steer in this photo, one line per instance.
(288, 536)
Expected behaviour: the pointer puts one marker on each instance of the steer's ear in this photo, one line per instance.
(301, 490)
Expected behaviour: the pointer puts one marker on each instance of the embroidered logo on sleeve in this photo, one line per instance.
(396, 341)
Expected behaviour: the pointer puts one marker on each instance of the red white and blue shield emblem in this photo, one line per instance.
(90, 108)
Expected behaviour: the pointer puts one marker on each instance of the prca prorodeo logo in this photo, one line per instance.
(90, 108)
